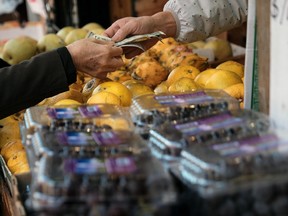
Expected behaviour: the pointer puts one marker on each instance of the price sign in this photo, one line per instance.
(279, 63)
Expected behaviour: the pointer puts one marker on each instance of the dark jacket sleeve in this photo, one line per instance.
(29, 82)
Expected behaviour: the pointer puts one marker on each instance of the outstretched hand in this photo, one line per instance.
(95, 57)
(128, 26)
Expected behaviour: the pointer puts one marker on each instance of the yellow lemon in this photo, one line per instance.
(222, 79)
(236, 91)
(202, 77)
(232, 66)
(67, 102)
(114, 123)
(10, 148)
(161, 88)
(116, 88)
(9, 130)
(131, 81)
(104, 97)
(183, 84)
(21, 168)
(17, 157)
(182, 71)
(138, 89)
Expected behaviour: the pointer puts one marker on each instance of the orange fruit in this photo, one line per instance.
(182, 71)
(116, 88)
(104, 97)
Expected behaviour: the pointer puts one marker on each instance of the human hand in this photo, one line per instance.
(128, 26)
(95, 57)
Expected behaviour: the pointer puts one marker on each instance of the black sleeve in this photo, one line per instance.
(68, 64)
(25, 84)
(3, 63)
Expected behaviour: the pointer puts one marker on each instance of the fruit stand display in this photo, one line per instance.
(165, 133)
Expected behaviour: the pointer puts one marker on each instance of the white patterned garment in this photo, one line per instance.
(199, 19)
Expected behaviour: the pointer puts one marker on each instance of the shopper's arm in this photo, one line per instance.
(199, 19)
(26, 84)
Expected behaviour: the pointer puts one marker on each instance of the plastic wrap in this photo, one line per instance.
(151, 110)
(168, 140)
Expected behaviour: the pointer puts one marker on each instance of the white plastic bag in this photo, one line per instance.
(8, 6)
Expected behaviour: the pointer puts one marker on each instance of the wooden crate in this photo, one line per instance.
(148, 7)
(120, 9)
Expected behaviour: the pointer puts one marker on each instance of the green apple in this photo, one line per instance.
(49, 42)
(98, 31)
(63, 32)
(91, 26)
(75, 34)
(18, 49)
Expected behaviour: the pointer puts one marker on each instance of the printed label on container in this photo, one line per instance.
(247, 146)
(90, 111)
(106, 138)
(84, 166)
(120, 165)
(74, 138)
(209, 124)
(91, 166)
(62, 113)
(191, 98)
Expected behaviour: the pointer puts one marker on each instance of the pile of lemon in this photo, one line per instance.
(11, 146)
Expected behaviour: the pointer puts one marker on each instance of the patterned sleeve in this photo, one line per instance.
(199, 19)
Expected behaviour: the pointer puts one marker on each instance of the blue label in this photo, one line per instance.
(62, 113)
(247, 146)
(191, 98)
(106, 138)
(209, 124)
(84, 166)
(74, 138)
(90, 111)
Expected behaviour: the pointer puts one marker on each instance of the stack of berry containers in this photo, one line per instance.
(75, 128)
(150, 111)
(134, 183)
(241, 177)
(89, 158)
(168, 140)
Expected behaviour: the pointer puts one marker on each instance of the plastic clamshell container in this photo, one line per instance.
(103, 142)
(255, 194)
(257, 154)
(130, 179)
(71, 116)
(168, 140)
(151, 110)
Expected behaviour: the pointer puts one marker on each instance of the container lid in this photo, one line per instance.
(57, 116)
(120, 177)
(170, 138)
(150, 110)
